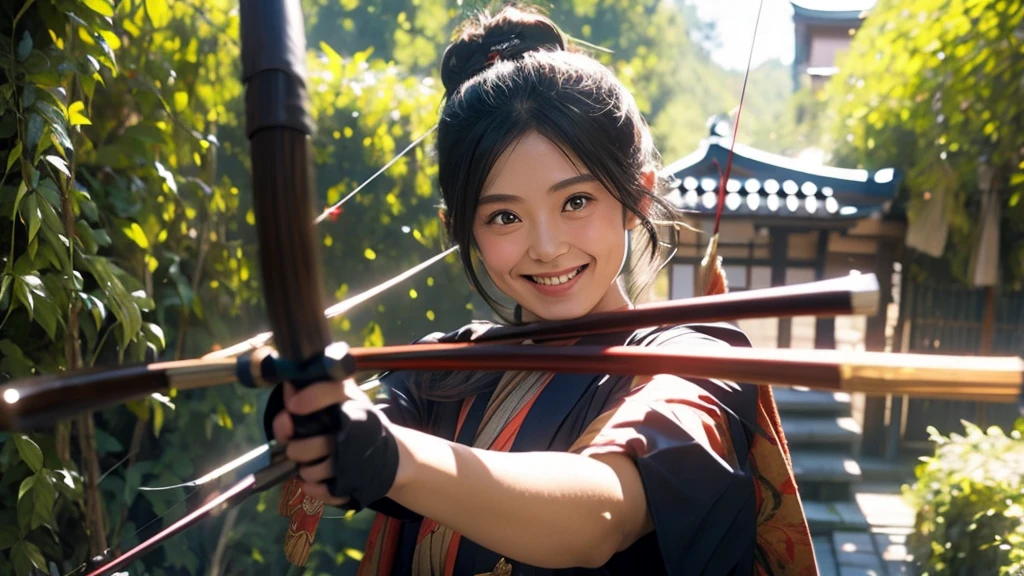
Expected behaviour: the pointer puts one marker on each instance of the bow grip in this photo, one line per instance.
(266, 368)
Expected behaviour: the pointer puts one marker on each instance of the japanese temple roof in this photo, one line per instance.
(831, 10)
(766, 184)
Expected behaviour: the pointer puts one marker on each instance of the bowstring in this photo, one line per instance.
(724, 178)
(326, 213)
(176, 505)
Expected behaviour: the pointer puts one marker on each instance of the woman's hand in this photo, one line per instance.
(359, 462)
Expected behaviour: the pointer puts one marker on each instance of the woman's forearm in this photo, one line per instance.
(548, 509)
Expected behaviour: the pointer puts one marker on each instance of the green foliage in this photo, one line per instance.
(933, 86)
(969, 499)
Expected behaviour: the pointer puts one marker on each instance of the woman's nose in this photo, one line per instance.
(547, 244)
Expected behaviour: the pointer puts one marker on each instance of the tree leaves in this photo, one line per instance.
(136, 234)
(101, 7)
(8, 536)
(26, 485)
(24, 47)
(59, 163)
(13, 157)
(13, 360)
(159, 12)
(29, 452)
(25, 555)
(941, 81)
(75, 116)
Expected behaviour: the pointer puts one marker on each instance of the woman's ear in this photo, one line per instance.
(441, 214)
(649, 178)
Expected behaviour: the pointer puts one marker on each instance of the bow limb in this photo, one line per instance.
(279, 127)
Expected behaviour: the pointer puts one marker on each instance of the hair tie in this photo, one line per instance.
(500, 49)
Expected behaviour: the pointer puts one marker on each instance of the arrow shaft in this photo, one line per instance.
(934, 376)
(842, 296)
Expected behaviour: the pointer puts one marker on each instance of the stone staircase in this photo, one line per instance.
(823, 439)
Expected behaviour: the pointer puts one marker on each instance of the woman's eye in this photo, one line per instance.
(503, 218)
(576, 203)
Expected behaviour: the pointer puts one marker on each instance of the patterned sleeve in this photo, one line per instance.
(720, 487)
(690, 444)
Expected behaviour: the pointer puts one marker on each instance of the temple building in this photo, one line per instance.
(785, 221)
(823, 29)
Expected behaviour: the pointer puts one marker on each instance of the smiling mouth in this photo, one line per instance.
(556, 280)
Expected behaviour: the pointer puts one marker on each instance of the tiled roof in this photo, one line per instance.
(837, 10)
(773, 185)
(769, 198)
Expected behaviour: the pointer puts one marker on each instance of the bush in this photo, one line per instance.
(969, 499)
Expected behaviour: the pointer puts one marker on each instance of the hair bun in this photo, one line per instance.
(484, 39)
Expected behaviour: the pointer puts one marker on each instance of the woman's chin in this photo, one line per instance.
(554, 312)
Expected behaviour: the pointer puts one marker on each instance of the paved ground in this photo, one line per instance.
(878, 549)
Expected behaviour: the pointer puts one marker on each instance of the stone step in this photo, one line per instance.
(825, 557)
(883, 470)
(856, 554)
(825, 476)
(824, 518)
(841, 432)
(825, 467)
(798, 400)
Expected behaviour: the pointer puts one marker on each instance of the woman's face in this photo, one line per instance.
(551, 237)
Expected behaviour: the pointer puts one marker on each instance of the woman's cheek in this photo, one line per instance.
(499, 254)
(602, 235)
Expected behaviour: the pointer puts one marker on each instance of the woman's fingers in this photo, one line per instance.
(317, 451)
(283, 427)
(320, 472)
(320, 492)
(310, 449)
(314, 397)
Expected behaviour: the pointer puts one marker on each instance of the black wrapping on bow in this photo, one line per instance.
(274, 66)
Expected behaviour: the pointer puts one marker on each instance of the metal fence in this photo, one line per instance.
(948, 320)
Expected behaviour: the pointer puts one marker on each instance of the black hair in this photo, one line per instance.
(514, 72)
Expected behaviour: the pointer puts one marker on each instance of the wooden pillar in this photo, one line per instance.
(988, 324)
(894, 438)
(874, 440)
(824, 328)
(779, 257)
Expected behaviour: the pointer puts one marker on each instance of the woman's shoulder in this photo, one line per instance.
(711, 333)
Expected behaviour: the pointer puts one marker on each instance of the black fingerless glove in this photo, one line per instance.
(275, 404)
(365, 457)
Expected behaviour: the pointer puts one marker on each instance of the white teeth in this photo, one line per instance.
(555, 281)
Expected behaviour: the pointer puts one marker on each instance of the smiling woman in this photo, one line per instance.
(548, 174)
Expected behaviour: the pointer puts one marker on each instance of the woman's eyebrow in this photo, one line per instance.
(498, 198)
(568, 182)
